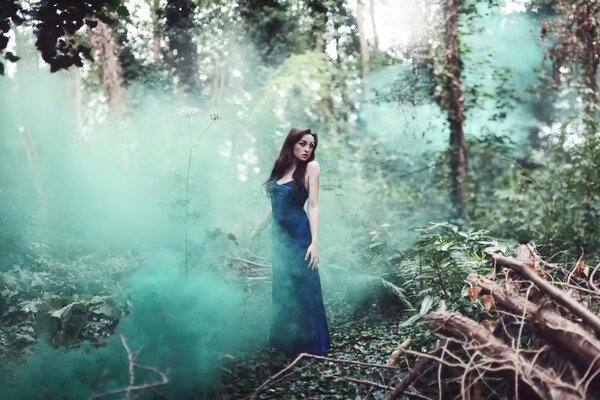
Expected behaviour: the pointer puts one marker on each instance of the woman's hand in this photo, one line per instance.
(313, 253)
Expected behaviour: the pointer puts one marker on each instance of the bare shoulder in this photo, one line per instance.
(313, 167)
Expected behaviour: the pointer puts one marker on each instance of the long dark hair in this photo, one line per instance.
(286, 157)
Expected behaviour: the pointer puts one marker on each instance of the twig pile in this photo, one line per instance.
(248, 266)
(543, 343)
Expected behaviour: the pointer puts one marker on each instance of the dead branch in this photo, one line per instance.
(591, 281)
(245, 261)
(528, 254)
(131, 356)
(569, 338)
(418, 370)
(538, 381)
(555, 294)
(393, 360)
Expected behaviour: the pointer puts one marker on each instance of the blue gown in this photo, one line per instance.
(298, 321)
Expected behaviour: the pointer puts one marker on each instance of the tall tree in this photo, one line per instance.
(271, 29)
(451, 100)
(373, 24)
(183, 52)
(55, 25)
(577, 43)
(154, 16)
(106, 51)
(318, 12)
(364, 55)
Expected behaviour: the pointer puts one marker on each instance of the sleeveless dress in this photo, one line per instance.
(298, 321)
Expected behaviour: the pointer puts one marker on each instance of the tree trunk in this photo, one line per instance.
(318, 11)
(29, 66)
(154, 9)
(590, 32)
(372, 15)
(364, 56)
(453, 103)
(179, 23)
(106, 51)
(78, 100)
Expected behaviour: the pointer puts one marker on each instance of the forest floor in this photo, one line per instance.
(367, 331)
(367, 340)
(70, 296)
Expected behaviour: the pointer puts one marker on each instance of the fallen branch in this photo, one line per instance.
(131, 355)
(245, 261)
(568, 338)
(418, 370)
(528, 254)
(555, 294)
(591, 281)
(495, 355)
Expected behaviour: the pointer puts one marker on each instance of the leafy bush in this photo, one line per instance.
(444, 258)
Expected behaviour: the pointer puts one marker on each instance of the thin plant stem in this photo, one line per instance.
(187, 197)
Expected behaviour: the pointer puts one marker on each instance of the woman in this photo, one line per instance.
(298, 321)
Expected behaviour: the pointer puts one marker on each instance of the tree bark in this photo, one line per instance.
(29, 66)
(318, 11)
(179, 23)
(104, 45)
(364, 56)
(592, 56)
(78, 100)
(453, 103)
(154, 9)
(372, 15)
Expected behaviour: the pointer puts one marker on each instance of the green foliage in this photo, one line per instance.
(65, 302)
(178, 325)
(549, 198)
(56, 24)
(446, 255)
(302, 87)
(10, 11)
(268, 23)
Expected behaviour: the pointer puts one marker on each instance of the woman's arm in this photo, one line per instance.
(262, 224)
(313, 171)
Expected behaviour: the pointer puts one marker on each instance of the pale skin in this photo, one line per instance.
(302, 151)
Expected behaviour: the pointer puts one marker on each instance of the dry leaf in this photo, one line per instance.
(359, 348)
(578, 268)
(490, 324)
(473, 293)
(488, 302)
(530, 265)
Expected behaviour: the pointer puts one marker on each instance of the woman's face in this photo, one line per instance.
(304, 148)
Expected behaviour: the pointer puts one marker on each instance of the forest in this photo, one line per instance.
(459, 150)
